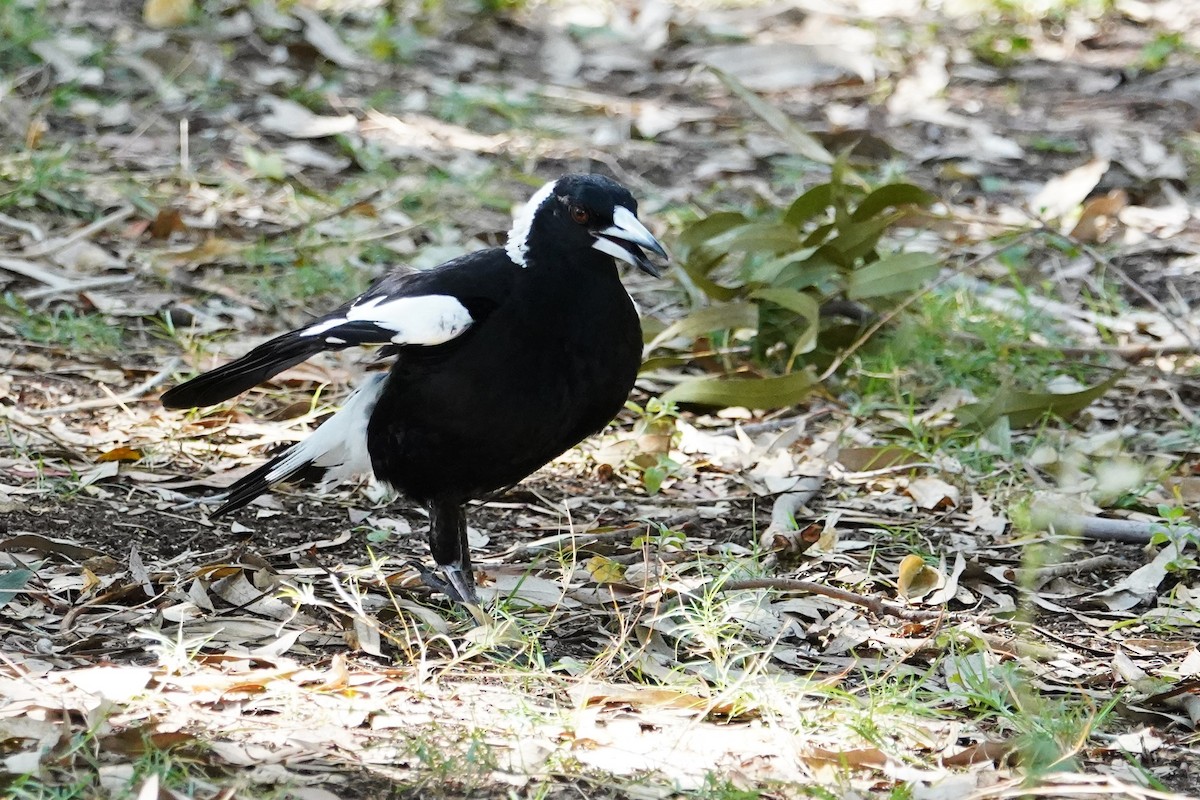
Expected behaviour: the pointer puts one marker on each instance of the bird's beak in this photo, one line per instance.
(626, 237)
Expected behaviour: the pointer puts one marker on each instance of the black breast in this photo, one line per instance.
(551, 364)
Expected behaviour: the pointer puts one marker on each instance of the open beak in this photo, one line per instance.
(626, 237)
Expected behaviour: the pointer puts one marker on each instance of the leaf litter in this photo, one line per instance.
(296, 646)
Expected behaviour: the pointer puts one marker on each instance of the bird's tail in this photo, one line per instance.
(263, 362)
(335, 451)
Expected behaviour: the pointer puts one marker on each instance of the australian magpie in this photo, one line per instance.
(503, 359)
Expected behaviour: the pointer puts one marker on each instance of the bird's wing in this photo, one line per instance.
(418, 309)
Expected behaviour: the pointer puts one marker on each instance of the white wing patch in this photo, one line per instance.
(423, 320)
(518, 236)
(340, 444)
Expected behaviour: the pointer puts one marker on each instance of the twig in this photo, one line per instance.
(33, 230)
(783, 512)
(337, 212)
(1127, 352)
(584, 539)
(858, 343)
(872, 604)
(772, 425)
(1104, 529)
(77, 286)
(882, 608)
(58, 243)
(1092, 564)
(28, 269)
(1155, 303)
(115, 400)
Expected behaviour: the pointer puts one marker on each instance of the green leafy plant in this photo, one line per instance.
(1155, 54)
(778, 275)
(61, 326)
(655, 434)
(1178, 532)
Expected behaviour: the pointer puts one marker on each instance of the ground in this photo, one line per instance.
(951, 553)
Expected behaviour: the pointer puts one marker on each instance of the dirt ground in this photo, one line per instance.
(738, 633)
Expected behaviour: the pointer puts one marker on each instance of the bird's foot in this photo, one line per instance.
(456, 584)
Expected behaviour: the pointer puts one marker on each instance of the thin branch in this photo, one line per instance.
(129, 396)
(872, 604)
(337, 212)
(1105, 529)
(1092, 564)
(58, 243)
(1155, 303)
(77, 286)
(1127, 352)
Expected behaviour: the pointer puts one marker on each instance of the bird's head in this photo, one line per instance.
(580, 212)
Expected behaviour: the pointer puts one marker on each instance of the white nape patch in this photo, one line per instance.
(423, 319)
(340, 444)
(518, 235)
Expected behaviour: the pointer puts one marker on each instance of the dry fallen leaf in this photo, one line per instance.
(166, 13)
(604, 570)
(933, 493)
(1063, 194)
(122, 453)
(1099, 218)
(916, 578)
(292, 119)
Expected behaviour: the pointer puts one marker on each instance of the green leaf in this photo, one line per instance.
(652, 479)
(759, 237)
(264, 165)
(801, 304)
(781, 392)
(767, 272)
(808, 205)
(819, 234)
(722, 317)
(856, 239)
(699, 233)
(894, 274)
(11, 583)
(1026, 408)
(797, 302)
(698, 271)
(664, 362)
(815, 273)
(804, 143)
(894, 194)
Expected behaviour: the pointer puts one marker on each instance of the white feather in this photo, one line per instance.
(424, 319)
(518, 237)
(340, 444)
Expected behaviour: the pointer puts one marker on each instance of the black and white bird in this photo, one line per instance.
(504, 359)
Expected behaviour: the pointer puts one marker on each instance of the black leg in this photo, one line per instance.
(448, 543)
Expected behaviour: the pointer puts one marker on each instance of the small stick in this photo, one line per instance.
(33, 230)
(1092, 564)
(28, 269)
(54, 245)
(135, 393)
(1103, 529)
(1155, 303)
(77, 286)
(872, 604)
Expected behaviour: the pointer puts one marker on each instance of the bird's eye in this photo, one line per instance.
(580, 215)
